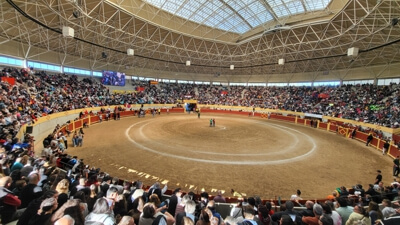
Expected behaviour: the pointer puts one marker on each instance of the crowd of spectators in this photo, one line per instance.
(38, 191)
(46, 195)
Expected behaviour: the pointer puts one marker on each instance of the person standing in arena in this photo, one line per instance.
(369, 139)
(378, 177)
(396, 166)
(213, 122)
(385, 147)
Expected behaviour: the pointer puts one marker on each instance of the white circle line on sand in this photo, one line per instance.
(176, 146)
(282, 151)
(241, 162)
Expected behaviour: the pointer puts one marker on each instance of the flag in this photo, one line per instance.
(10, 80)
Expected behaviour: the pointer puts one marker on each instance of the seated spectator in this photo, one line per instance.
(219, 197)
(126, 220)
(392, 220)
(102, 213)
(309, 211)
(63, 190)
(9, 201)
(326, 219)
(374, 212)
(313, 220)
(288, 211)
(286, 220)
(71, 208)
(31, 191)
(44, 214)
(387, 209)
(343, 209)
(34, 206)
(359, 214)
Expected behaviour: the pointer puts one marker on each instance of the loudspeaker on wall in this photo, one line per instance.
(29, 129)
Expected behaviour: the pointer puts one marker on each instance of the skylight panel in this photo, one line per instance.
(295, 7)
(236, 5)
(240, 28)
(237, 15)
(156, 3)
(170, 7)
(312, 5)
(214, 19)
(281, 11)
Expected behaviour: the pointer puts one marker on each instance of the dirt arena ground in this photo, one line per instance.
(254, 156)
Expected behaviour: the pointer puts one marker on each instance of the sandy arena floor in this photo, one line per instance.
(254, 156)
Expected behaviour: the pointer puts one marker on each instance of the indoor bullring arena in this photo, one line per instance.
(202, 112)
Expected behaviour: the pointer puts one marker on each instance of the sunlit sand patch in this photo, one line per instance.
(132, 171)
(164, 182)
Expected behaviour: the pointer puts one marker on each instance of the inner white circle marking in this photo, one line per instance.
(235, 162)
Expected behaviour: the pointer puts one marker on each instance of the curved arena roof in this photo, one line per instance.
(311, 35)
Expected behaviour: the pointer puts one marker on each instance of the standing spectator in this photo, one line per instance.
(385, 147)
(174, 201)
(396, 166)
(64, 138)
(155, 189)
(369, 139)
(378, 177)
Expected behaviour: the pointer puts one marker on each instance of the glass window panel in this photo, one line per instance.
(97, 74)
(257, 84)
(326, 83)
(11, 61)
(277, 84)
